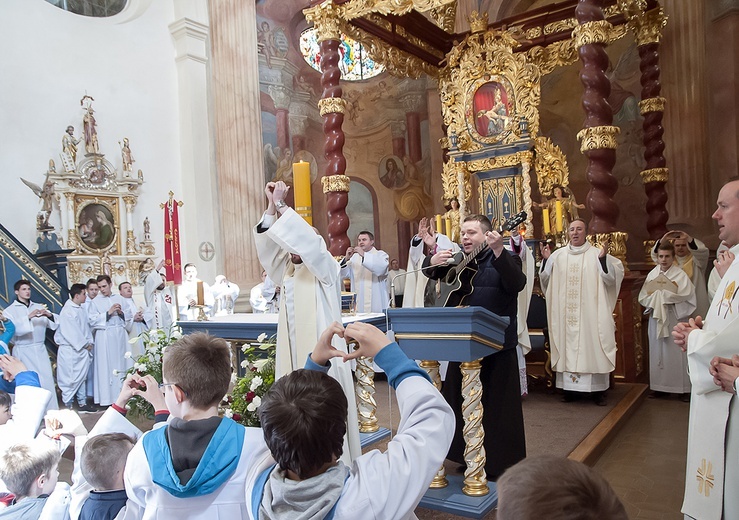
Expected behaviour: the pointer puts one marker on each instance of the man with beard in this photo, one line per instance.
(296, 258)
(158, 300)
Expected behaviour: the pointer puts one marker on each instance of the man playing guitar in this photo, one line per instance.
(495, 280)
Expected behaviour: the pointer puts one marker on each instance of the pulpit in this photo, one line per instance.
(466, 335)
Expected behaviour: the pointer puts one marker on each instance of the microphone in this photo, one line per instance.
(392, 281)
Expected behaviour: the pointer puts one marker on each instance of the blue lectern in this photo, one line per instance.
(466, 335)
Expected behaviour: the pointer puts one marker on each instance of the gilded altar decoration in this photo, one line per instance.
(551, 166)
(653, 104)
(595, 137)
(445, 16)
(597, 31)
(331, 105)
(326, 19)
(648, 26)
(357, 8)
(475, 481)
(365, 390)
(97, 224)
(654, 175)
(333, 183)
(478, 22)
(617, 243)
(450, 176)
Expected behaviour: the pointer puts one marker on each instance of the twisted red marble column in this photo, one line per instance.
(598, 136)
(336, 200)
(655, 174)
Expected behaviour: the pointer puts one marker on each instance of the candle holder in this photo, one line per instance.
(201, 313)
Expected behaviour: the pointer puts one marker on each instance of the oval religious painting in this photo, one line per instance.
(96, 226)
(391, 172)
(490, 114)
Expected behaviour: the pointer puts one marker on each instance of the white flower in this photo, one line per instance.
(262, 337)
(255, 383)
(176, 333)
(259, 363)
(116, 372)
(127, 355)
(254, 404)
(245, 364)
(233, 377)
(139, 367)
(229, 413)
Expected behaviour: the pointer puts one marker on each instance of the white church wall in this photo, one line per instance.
(127, 63)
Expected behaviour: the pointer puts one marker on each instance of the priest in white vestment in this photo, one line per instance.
(668, 364)
(581, 285)
(415, 281)
(74, 338)
(692, 256)
(367, 269)
(137, 325)
(31, 320)
(187, 295)
(159, 313)
(517, 245)
(712, 471)
(264, 297)
(296, 257)
(108, 319)
(225, 294)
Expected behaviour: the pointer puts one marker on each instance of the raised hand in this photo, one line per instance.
(605, 246)
(324, 350)
(371, 340)
(269, 192)
(148, 388)
(723, 261)
(545, 250)
(11, 366)
(495, 242)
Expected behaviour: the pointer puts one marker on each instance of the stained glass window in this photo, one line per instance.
(95, 8)
(354, 62)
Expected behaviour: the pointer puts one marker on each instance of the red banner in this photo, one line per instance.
(172, 257)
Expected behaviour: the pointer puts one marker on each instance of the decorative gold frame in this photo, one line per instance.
(471, 112)
(81, 202)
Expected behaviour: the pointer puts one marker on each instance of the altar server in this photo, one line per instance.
(668, 365)
(31, 321)
(108, 319)
(159, 300)
(295, 257)
(74, 338)
(367, 269)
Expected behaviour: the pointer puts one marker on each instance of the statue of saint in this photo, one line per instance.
(453, 216)
(128, 159)
(91, 133)
(569, 208)
(69, 144)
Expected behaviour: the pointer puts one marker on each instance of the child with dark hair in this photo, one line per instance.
(195, 466)
(102, 463)
(303, 418)
(557, 488)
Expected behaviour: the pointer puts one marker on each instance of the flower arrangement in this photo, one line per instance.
(246, 397)
(149, 362)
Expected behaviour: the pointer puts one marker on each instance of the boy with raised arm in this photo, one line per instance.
(303, 418)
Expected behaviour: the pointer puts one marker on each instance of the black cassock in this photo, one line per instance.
(496, 285)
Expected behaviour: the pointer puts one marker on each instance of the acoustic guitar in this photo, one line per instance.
(457, 284)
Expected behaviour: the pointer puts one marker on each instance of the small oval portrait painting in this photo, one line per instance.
(96, 226)
(391, 172)
(491, 115)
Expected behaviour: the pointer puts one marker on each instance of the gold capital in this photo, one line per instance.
(596, 137)
(654, 175)
(654, 104)
(331, 105)
(598, 31)
(333, 183)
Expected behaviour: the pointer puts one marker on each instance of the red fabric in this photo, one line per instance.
(172, 255)
(484, 99)
(118, 409)
(7, 499)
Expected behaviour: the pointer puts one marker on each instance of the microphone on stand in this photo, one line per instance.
(391, 303)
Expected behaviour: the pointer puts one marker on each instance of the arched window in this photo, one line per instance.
(95, 8)
(354, 63)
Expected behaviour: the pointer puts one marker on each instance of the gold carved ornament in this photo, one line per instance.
(450, 181)
(478, 22)
(598, 31)
(479, 57)
(551, 166)
(617, 246)
(325, 17)
(501, 161)
(648, 26)
(358, 8)
(654, 175)
(332, 183)
(597, 137)
(331, 105)
(445, 16)
(653, 104)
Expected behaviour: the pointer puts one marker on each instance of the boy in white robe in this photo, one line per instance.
(31, 321)
(668, 365)
(91, 287)
(296, 258)
(692, 256)
(305, 476)
(108, 319)
(367, 269)
(74, 338)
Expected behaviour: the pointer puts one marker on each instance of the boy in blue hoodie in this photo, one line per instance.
(195, 467)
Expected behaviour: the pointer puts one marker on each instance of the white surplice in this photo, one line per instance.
(224, 296)
(368, 275)
(135, 329)
(111, 344)
(300, 322)
(524, 299)
(73, 359)
(668, 364)
(580, 301)
(29, 345)
(189, 291)
(694, 264)
(712, 471)
(415, 280)
(158, 313)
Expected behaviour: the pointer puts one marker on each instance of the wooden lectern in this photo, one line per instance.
(464, 334)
